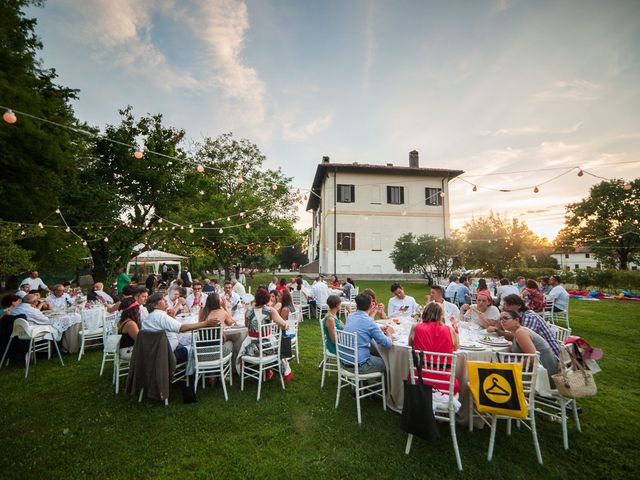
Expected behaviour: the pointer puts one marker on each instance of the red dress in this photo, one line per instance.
(434, 337)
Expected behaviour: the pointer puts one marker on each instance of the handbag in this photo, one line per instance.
(285, 346)
(578, 383)
(417, 409)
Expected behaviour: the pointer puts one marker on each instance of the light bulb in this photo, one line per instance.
(441, 194)
(536, 190)
(137, 154)
(84, 243)
(200, 169)
(9, 117)
(242, 214)
(221, 231)
(247, 226)
(475, 188)
(23, 232)
(274, 187)
(67, 229)
(58, 211)
(160, 220)
(40, 225)
(191, 230)
(580, 172)
(228, 219)
(627, 186)
(106, 239)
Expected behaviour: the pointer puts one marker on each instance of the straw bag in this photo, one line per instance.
(577, 383)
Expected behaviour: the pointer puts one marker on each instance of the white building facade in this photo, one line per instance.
(359, 211)
(581, 259)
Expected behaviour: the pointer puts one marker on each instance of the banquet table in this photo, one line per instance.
(396, 360)
(67, 324)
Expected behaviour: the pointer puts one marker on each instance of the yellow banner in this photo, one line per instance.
(497, 388)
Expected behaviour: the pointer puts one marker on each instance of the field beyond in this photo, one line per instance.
(67, 423)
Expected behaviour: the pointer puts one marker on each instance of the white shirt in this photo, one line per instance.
(33, 314)
(62, 301)
(450, 310)
(191, 299)
(34, 283)
(105, 296)
(320, 292)
(395, 304)
(272, 286)
(21, 293)
(158, 321)
(144, 313)
(239, 289)
(561, 297)
(451, 289)
(504, 290)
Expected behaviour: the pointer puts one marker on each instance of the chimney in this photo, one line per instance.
(413, 159)
(325, 159)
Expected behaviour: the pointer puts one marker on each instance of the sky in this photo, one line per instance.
(487, 87)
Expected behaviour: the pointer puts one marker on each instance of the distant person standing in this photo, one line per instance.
(35, 282)
(186, 278)
(123, 280)
(165, 272)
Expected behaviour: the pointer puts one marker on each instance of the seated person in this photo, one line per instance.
(334, 282)
(331, 322)
(366, 330)
(140, 295)
(214, 315)
(558, 294)
(159, 320)
(23, 290)
(9, 302)
(239, 288)
(401, 303)
(175, 303)
(463, 294)
(208, 287)
(451, 311)
(376, 309)
(197, 298)
(347, 287)
(58, 298)
(232, 302)
(29, 308)
(128, 326)
(505, 289)
(99, 293)
(528, 341)
(432, 335)
(35, 282)
(483, 312)
(273, 285)
(532, 296)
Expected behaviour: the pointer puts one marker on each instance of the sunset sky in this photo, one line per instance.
(481, 86)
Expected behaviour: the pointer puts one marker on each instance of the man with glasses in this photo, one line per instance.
(58, 298)
(231, 301)
(197, 297)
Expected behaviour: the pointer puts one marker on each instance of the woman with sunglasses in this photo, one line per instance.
(528, 341)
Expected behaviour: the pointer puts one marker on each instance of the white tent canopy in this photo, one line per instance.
(157, 256)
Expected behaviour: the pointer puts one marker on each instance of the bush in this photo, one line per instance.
(612, 280)
(535, 273)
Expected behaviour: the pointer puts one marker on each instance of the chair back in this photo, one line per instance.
(547, 313)
(354, 293)
(21, 329)
(323, 336)
(560, 333)
(109, 325)
(323, 295)
(269, 339)
(347, 349)
(438, 368)
(529, 362)
(207, 344)
(92, 318)
(296, 296)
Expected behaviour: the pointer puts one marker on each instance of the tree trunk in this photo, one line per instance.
(623, 255)
(99, 265)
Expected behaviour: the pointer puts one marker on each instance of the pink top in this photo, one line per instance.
(434, 337)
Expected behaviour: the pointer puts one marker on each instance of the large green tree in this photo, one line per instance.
(35, 157)
(607, 221)
(425, 254)
(495, 243)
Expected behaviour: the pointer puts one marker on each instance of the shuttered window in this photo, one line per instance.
(395, 195)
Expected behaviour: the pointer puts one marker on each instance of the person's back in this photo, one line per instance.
(433, 337)
(451, 290)
(547, 358)
(561, 297)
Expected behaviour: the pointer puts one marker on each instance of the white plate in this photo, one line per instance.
(495, 342)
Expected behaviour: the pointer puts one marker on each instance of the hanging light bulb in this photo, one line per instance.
(67, 229)
(58, 211)
(160, 220)
(84, 243)
(137, 154)
(228, 219)
(627, 186)
(580, 172)
(200, 169)
(242, 214)
(247, 226)
(9, 117)
(274, 187)
(191, 230)
(40, 225)
(536, 189)
(240, 180)
(298, 192)
(441, 194)
(201, 192)
(106, 239)
(475, 188)
(221, 231)
(305, 197)
(173, 228)
(201, 225)
(23, 233)
(181, 227)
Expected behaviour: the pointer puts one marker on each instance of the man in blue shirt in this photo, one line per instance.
(464, 294)
(366, 330)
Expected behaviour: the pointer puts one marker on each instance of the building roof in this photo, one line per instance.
(573, 250)
(323, 168)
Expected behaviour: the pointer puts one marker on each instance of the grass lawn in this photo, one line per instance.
(67, 423)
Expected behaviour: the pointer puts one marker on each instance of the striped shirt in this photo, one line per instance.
(533, 321)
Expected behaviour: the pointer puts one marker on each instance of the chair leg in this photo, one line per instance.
(338, 391)
(454, 438)
(576, 418)
(565, 430)
(195, 381)
(534, 432)
(281, 376)
(407, 448)
(224, 385)
(5, 353)
(49, 349)
(58, 352)
(116, 378)
(492, 438)
(259, 382)
(81, 348)
(242, 376)
(358, 402)
(324, 368)
(470, 412)
(509, 426)
(140, 396)
(28, 358)
(384, 394)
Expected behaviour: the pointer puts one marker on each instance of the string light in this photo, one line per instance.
(247, 226)
(274, 187)
(9, 117)
(137, 154)
(40, 225)
(536, 189)
(160, 220)
(221, 231)
(627, 186)
(475, 188)
(580, 172)
(58, 211)
(200, 169)
(106, 239)
(67, 229)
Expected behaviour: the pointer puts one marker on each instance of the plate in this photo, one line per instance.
(495, 342)
(471, 346)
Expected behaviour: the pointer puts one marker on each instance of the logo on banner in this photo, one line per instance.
(497, 388)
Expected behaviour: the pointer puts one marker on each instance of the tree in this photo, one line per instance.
(607, 222)
(425, 254)
(495, 243)
(115, 198)
(13, 258)
(36, 157)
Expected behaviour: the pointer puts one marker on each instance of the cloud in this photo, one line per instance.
(531, 130)
(574, 90)
(292, 132)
